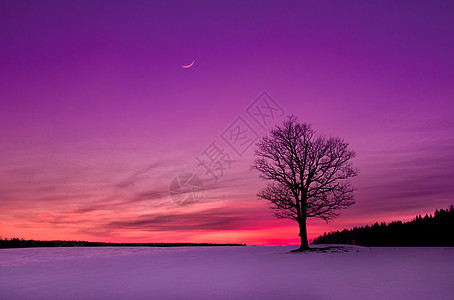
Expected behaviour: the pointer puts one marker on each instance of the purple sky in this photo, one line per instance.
(97, 116)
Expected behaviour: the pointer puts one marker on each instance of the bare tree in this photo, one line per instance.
(309, 174)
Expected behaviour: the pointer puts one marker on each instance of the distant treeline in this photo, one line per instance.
(436, 230)
(21, 243)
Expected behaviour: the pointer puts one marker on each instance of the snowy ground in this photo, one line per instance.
(226, 273)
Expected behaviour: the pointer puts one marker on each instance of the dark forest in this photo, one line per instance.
(430, 230)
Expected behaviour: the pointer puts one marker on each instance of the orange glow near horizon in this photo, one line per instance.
(262, 231)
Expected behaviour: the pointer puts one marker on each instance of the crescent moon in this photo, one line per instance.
(188, 66)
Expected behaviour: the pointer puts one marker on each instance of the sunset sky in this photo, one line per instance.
(97, 116)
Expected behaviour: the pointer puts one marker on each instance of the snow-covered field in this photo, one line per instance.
(226, 273)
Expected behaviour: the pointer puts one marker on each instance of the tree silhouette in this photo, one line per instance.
(308, 173)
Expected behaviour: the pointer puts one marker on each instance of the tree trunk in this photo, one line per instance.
(303, 235)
